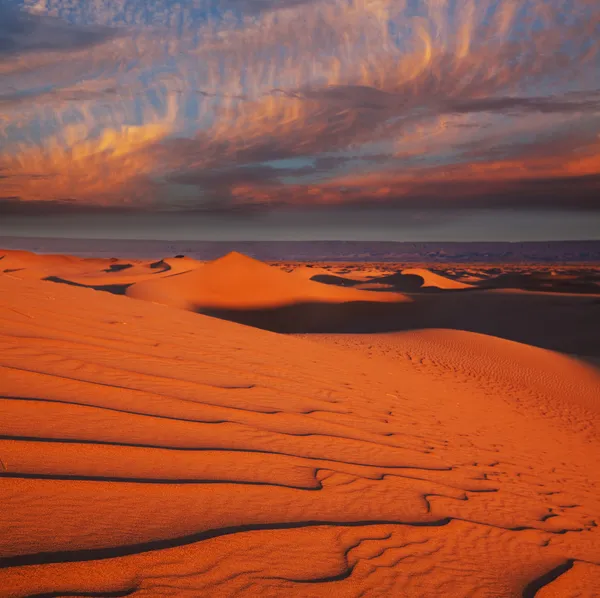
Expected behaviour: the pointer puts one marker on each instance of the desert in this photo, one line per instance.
(300, 298)
(178, 427)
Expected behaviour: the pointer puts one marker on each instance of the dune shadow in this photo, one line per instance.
(570, 281)
(332, 279)
(394, 283)
(93, 554)
(567, 323)
(404, 283)
(160, 264)
(82, 594)
(398, 282)
(537, 281)
(117, 268)
(532, 588)
(351, 317)
(561, 322)
(115, 289)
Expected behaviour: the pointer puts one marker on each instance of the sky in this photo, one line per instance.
(353, 119)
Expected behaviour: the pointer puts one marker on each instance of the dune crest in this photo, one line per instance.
(90, 272)
(236, 281)
(431, 279)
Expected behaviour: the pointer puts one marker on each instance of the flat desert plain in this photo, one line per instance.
(237, 428)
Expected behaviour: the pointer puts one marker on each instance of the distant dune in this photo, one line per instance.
(90, 271)
(150, 451)
(551, 252)
(354, 299)
(431, 279)
(406, 280)
(239, 282)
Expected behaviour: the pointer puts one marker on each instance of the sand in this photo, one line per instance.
(238, 282)
(147, 450)
(431, 279)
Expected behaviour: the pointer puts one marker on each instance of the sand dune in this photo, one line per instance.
(90, 272)
(250, 292)
(128, 273)
(239, 282)
(150, 451)
(431, 279)
(308, 271)
(580, 279)
(407, 280)
(549, 383)
(32, 265)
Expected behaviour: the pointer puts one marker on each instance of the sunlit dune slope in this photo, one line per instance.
(131, 272)
(236, 281)
(554, 385)
(93, 272)
(33, 265)
(151, 451)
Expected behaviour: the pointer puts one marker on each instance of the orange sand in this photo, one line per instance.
(239, 282)
(150, 451)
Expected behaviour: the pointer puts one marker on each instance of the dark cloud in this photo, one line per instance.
(324, 163)
(327, 163)
(227, 177)
(581, 134)
(23, 32)
(359, 97)
(574, 192)
(515, 105)
(14, 98)
(216, 187)
(355, 96)
(259, 6)
(15, 206)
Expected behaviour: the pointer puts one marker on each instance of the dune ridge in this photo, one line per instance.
(236, 281)
(147, 450)
(431, 279)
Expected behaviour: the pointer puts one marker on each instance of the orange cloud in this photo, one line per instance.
(308, 78)
(110, 167)
(454, 185)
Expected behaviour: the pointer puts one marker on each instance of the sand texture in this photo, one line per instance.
(148, 450)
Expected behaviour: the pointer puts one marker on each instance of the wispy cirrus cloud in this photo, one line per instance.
(198, 102)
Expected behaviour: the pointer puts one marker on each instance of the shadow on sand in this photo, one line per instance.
(574, 281)
(115, 289)
(397, 283)
(567, 323)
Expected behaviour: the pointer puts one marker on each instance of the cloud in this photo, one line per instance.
(254, 174)
(435, 192)
(568, 103)
(260, 6)
(16, 98)
(14, 206)
(22, 32)
(412, 99)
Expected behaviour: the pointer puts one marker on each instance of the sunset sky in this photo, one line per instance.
(304, 114)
